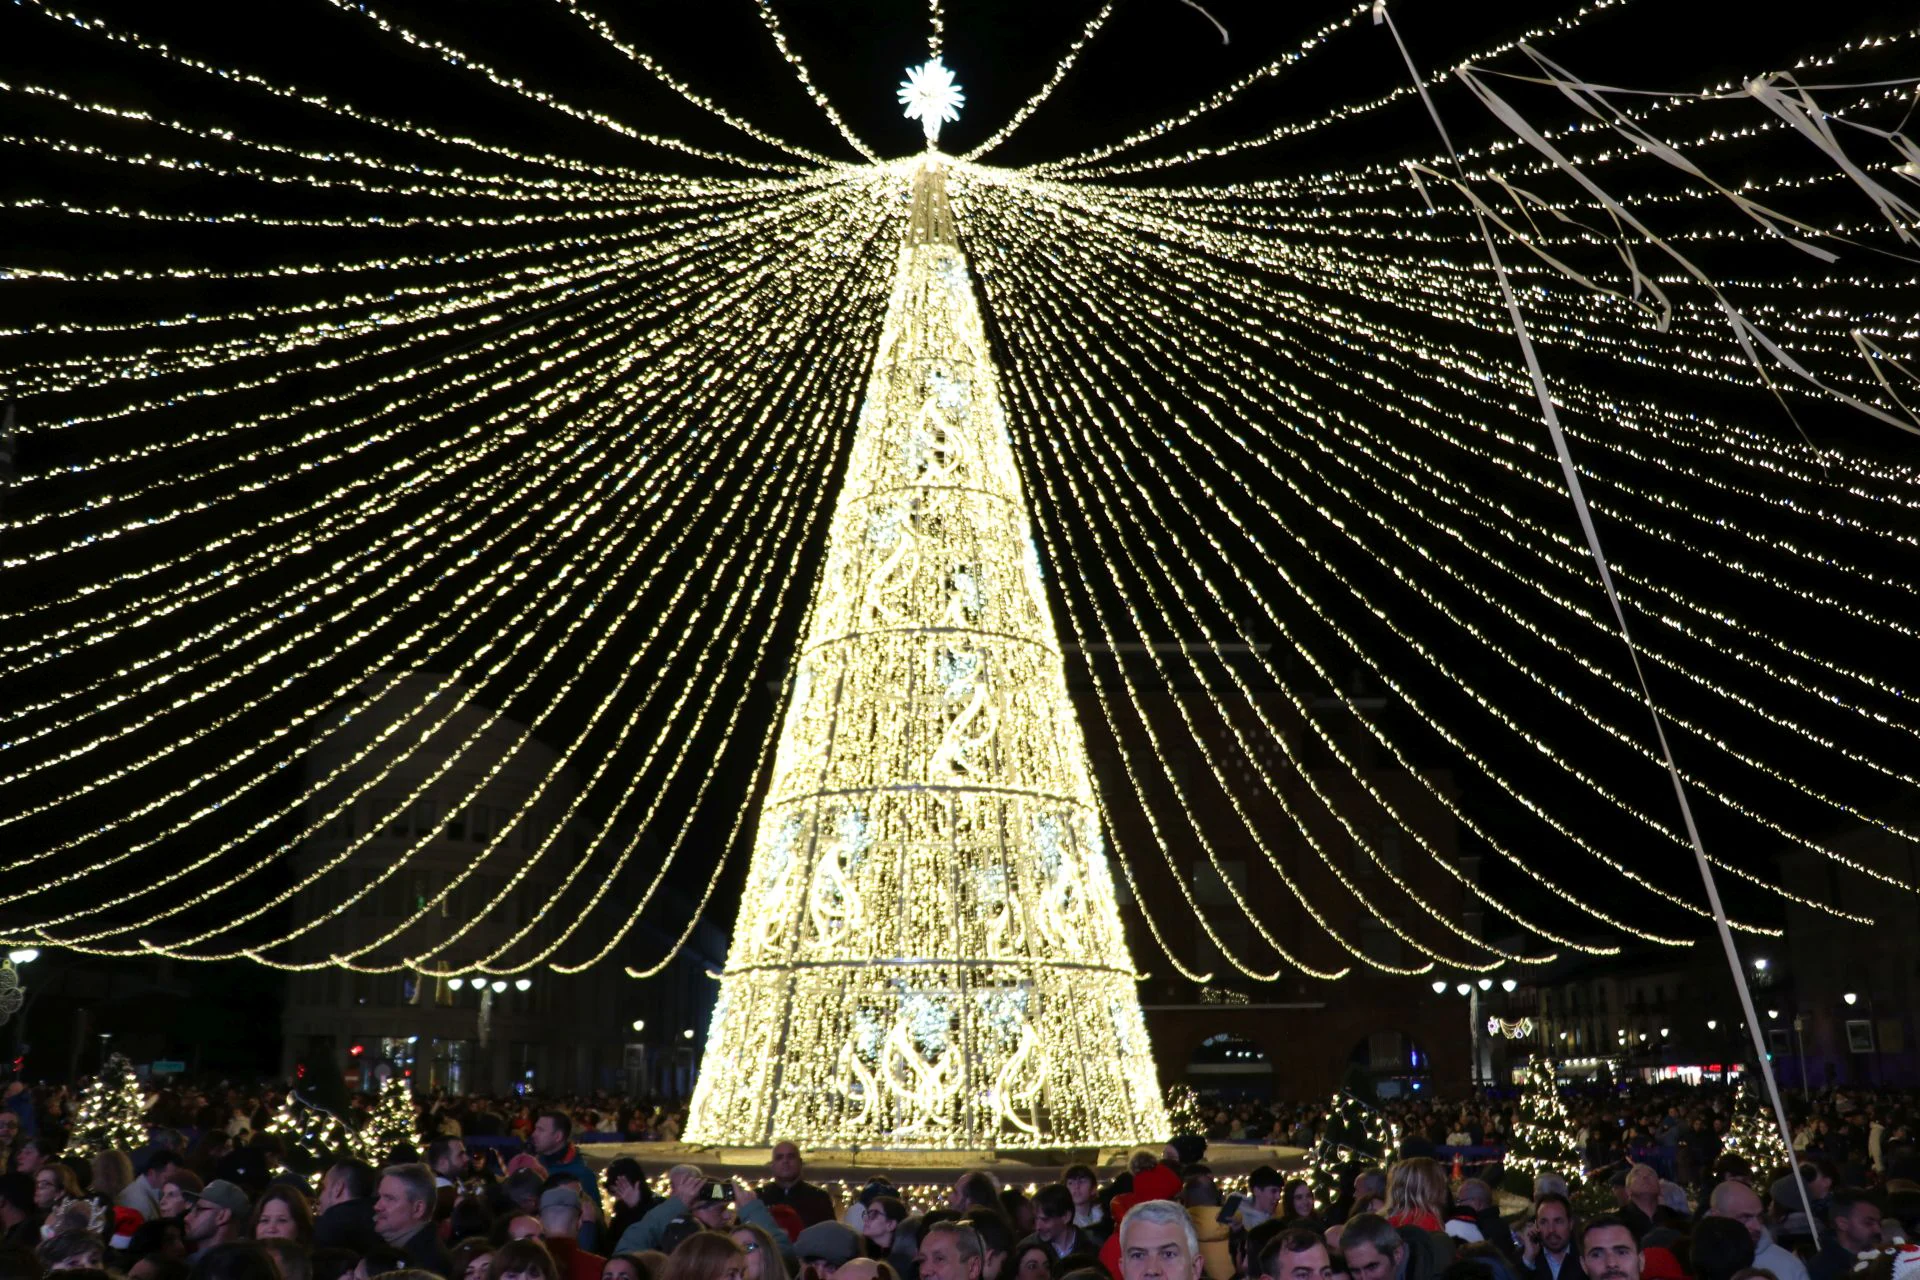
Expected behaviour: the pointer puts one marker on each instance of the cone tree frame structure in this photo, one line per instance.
(928, 953)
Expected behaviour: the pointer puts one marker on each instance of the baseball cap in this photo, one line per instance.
(833, 1243)
(224, 1194)
(710, 1193)
(560, 1198)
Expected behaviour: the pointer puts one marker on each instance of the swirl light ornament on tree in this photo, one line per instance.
(929, 952)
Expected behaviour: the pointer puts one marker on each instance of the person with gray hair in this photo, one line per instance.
(403, 1215)
(951, 1251)
(1370, 1191)
(1158, 1242)
(1473, 1199)
(1375, 1249)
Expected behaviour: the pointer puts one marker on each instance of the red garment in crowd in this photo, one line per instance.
(1157, 1183)
(575, 1263)
(1423, 1220)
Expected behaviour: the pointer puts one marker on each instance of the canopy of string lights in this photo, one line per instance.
(491, 407)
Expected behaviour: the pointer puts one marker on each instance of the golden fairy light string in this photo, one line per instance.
(576, 622)
(1189, 344)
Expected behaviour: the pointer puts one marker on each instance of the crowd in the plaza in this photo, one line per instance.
(210, 1195)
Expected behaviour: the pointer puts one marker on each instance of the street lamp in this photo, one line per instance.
(639, 1024)
(1507, 985)
(1772, 1014)
(499, 985)
(1466, 988)
(25, 955)
(1850, 997)
(1439, 986)
(1486, 984)
(523, 984)
(687, 1034)
(1663, 1033)
(456, 983)
(1760, 965)
(1712, 1024)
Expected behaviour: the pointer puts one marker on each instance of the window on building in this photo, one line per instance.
(456, 825)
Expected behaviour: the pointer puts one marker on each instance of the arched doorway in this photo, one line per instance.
(1230, 1067)
(1388, 1064)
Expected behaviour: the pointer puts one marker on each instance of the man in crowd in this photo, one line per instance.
(9, 1136)
(403, 1215)
(1082, 1185)
(812, 1203)
(684, 1185)
(1609, 1250)
(1053, 1222)
(1377, 1250)
(552, 1141)
(1262, 1200)
(1158, 1242)
(218, 1215)
(825, 1247)
(950, 1251)
(1740, 1202)
(150, 1170)
(560, 1230)
(1854, 1226)
(974, 1190)
(447, 1157)
(34, 1155)
(346, 1208)
(1293, 1254)
(1546, 1242)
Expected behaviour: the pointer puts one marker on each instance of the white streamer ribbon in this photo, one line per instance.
(1578, 493)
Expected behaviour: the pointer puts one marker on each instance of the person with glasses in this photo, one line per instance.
(216, 1216)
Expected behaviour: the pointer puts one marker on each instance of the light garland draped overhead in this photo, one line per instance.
(553, 438)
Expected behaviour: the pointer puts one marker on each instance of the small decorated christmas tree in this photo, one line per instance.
(112, 1112)
(1183, 1110)
(392, 1123)
(1355, 1137)
(313, 1137)
(1543, 1133)
(1753, 1133)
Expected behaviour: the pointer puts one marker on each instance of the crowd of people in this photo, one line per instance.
(1663, 1202)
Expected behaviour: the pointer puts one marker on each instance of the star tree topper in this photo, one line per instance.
(929, 95)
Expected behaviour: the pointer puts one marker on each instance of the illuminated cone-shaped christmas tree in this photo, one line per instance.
(928, 952)
(1754, 1134)
(392, 1124)
(1543, 1132)
(112, 1112)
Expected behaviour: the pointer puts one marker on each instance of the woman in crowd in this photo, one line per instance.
(112, 1171)
(706, 1256)
(523, 1260)
(282, 1214)
(1417, 1194)
(53, 1183)
(1296, 1205)
(630, 1266)
(471, 1258)
(763, 1256)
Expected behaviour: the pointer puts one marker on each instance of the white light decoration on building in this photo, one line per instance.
(934, 956)
(929, 95)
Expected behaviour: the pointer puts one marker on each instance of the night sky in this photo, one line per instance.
(1155, 58)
